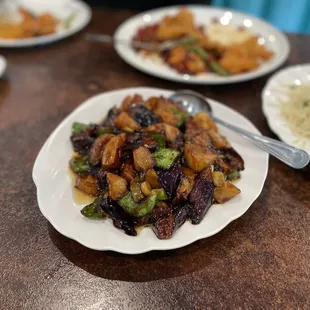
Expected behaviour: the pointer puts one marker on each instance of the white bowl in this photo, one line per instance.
(54, 188)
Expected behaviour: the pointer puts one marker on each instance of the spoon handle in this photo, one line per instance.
(290, 155)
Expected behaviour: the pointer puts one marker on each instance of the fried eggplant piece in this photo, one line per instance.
(96, 151)
(127, 172)
(170, 179)
(165, 226)
(143, 116)
(110, 118)
(233, 159)
(186, 184)
(201, 197)
(121, 219)
(82, 142)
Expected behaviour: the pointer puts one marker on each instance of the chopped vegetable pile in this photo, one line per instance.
(150, 163)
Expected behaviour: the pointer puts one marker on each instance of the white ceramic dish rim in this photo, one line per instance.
(46, 39)
(3, 65)
(273, 118)
(163, 245)
(137, 62)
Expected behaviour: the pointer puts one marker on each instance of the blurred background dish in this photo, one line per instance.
(286, 105)
(34, 22)
(2, 65)
(267, 36)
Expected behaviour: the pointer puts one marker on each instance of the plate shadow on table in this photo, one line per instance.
(156, 265)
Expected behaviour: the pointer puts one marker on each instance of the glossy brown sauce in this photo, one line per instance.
(78, 196)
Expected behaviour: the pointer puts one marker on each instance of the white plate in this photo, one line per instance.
(275, 41)
(275, 89)
(62, 9)
(54, 188)
(2, 65)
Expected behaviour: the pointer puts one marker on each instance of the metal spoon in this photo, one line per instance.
(194, 102)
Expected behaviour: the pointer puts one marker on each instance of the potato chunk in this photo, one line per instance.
(125, 122)
(224, 194)
(199, 158)
(204, 120)
(87, 185)
(152, 178)
(218, 178)
(111, 157)
(143, 159)
(117, 186)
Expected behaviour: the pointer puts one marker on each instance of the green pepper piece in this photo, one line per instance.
(69, 20)
(80, 164)
(128, 204)
(147, 206)
(160, 194)
(160, 140)
(78, 127)
(233, 175)
(206, 57)
(104, 130)
(165, 158)
(93, 210)
(182, 114)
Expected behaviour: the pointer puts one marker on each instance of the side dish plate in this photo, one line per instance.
(274, 40)
(77, 11)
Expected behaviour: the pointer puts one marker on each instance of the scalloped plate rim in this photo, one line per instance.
(146, 248)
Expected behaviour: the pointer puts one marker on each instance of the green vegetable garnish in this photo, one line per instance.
(128, 204)
(233, 175)
(165, 158)
(104, 130)
(160, 194)
(206, 57)
(93, 210)
(160, 140)
(68, 21)
(80, 164)
(147, 206)
(182, 114)
(140, 209)
(78, 127)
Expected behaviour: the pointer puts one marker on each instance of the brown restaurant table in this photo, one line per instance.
(260, 261)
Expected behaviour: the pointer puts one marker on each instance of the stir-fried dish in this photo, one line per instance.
(29, 26)
(218, 48)
(150, 163)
